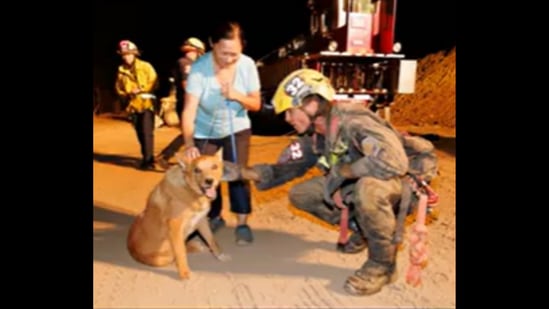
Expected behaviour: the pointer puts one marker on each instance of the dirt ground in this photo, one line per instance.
(292, 263)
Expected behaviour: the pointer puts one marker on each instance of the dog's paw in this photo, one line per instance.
(185, 274)
(223, 257)
(196, 245)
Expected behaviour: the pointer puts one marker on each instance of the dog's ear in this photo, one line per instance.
(219, 154)
(182, 160)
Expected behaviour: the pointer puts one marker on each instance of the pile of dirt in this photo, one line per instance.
(433, 105)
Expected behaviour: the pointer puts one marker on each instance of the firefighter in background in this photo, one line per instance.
(135, 83)
(365, 162)
(192, 48)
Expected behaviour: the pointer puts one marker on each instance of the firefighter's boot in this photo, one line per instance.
(375, 273)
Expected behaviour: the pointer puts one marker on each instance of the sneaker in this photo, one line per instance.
(216, 223)
(244, 235)
(147, 165)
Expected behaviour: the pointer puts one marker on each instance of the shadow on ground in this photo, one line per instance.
(446, 144)
(120, 160)
(261, 258)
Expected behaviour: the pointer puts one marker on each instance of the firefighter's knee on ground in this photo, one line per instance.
(298, 197)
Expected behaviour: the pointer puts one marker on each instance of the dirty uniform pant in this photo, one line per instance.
(374, 200)
(143, 124)
(239, 191)
(308, 196)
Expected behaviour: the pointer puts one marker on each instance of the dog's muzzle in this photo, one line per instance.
(209, 189)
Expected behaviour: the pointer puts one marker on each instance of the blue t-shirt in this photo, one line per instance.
(215, 113)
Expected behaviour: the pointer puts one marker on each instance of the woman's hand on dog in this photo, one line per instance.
(191, 152)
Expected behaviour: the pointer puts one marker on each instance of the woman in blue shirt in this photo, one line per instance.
(222, 87)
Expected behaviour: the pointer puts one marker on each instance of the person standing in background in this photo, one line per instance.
(192, 48)
(135, 83)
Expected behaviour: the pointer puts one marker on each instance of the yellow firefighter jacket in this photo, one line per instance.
(140, 75)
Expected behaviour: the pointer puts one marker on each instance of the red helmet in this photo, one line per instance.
(127, 47)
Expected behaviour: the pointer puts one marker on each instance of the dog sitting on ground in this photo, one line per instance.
(177, 206)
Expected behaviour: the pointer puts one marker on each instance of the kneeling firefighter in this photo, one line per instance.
(367, 163)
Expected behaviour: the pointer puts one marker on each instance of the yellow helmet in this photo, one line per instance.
(193, 44)
(299, 84)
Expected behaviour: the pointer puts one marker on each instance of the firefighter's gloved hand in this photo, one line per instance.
(249, 173)
(263, 175)
(233, 171)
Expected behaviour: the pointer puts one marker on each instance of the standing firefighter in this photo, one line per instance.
(365, 160)
(135, 83)
(192, 48)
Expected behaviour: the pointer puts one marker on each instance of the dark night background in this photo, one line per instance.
(159, 28)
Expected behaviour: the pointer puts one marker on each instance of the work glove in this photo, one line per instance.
(233, 172)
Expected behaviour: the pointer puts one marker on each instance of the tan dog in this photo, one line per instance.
(176, 207)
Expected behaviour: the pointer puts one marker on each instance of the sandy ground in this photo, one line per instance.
(292, 264)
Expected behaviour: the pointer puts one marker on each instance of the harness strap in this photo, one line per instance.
(418, 244)
(432, 196)
(405, 201)
(344, 220)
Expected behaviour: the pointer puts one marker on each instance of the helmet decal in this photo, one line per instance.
(293, 86)
(297, 89)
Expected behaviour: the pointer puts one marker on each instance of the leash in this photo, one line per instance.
(206, 140)
(231, 131)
